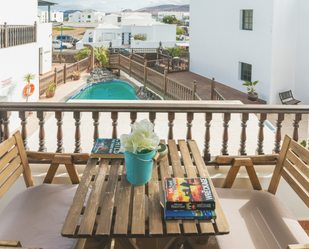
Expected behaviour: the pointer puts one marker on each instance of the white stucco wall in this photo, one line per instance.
(19, 12)
(45, 42)
(218, 45)
(112, 19)
(301, 83)
(164, 32)
(81, 24)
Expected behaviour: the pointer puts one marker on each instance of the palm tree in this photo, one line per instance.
(28, 77)
(100, 54)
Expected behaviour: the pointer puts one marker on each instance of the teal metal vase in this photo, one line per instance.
(139, 167)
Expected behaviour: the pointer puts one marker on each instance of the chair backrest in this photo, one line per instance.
(286, 96)
(13, 163)
(293, 166)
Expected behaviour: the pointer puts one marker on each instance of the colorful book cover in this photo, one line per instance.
(190, 215)
(188, 194)
(106, 148)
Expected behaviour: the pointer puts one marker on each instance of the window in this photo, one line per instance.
(89, 16)
(247, 19)
(54, 15)
(245, 71)
(119, 19)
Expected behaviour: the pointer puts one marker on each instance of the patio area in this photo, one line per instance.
(180, 127)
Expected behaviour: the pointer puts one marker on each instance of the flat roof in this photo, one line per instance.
(45, 3)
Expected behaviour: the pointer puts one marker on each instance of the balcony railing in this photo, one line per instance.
(128, 111)
(14, 35)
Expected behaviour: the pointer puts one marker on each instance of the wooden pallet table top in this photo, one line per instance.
(106, 205)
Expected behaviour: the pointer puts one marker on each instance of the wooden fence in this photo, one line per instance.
(14, 35)
(176, 64)
(215, 95)
(158, 82)
(61, 76)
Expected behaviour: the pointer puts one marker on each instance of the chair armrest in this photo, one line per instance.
(298, 246)
(13, 244)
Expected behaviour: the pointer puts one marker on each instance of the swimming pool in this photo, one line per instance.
(111, 90)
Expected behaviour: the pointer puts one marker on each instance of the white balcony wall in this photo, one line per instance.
(18, 12)
(218, 45)
(45, 42)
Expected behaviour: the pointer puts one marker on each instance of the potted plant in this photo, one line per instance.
(76, 75)
(29, 88)
(140, 149)
(50, 91)
(252, 95)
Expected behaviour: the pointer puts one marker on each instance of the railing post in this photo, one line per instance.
(114, 116)
(165, 83)
(5, 116)
(208, 118)
(190, 117)
(262, 118)
(5, 35)
(225, 137)
(280, 118)
(130, 59)
(152, 118)
(213, 86)
(77, 116)
(145, 72)
(95, 117)
(133, 116)
(59, 117)
(23, 117)
(144, 57)
(243, 135)
(41, 116)
(194, 90)
(118, 62)
(64, 73)
(168, 63)
(296, 126)
(35, 31)
(77, 65)
(171, 117)
(55, 76)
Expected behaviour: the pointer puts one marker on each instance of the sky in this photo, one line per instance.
(110, 5)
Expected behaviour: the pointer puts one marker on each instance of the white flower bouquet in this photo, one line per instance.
(141, 140)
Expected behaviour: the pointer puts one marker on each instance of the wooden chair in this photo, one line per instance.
(287, 98)
(258, 219)
(13, 163)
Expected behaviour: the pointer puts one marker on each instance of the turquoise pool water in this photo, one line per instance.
(112, 90)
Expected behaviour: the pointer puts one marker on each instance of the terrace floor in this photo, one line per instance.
(203, 87)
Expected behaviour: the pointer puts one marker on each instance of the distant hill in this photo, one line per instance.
(167, 7)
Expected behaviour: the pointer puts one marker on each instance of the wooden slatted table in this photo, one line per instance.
(117, 209)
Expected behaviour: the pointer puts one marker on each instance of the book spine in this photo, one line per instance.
(208, 194)
(190, 206)
(189, 218)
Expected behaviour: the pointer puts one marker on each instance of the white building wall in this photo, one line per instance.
(217, 47)
(301, 82)
(74, 17)
(56, 16)
(112, 19)
(165, 32)
(45, 42)
(143, 30)
(13, 12)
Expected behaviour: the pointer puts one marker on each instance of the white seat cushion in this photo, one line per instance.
(258, 219)
(36, 215)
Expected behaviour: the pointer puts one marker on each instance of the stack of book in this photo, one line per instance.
(188, 199)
